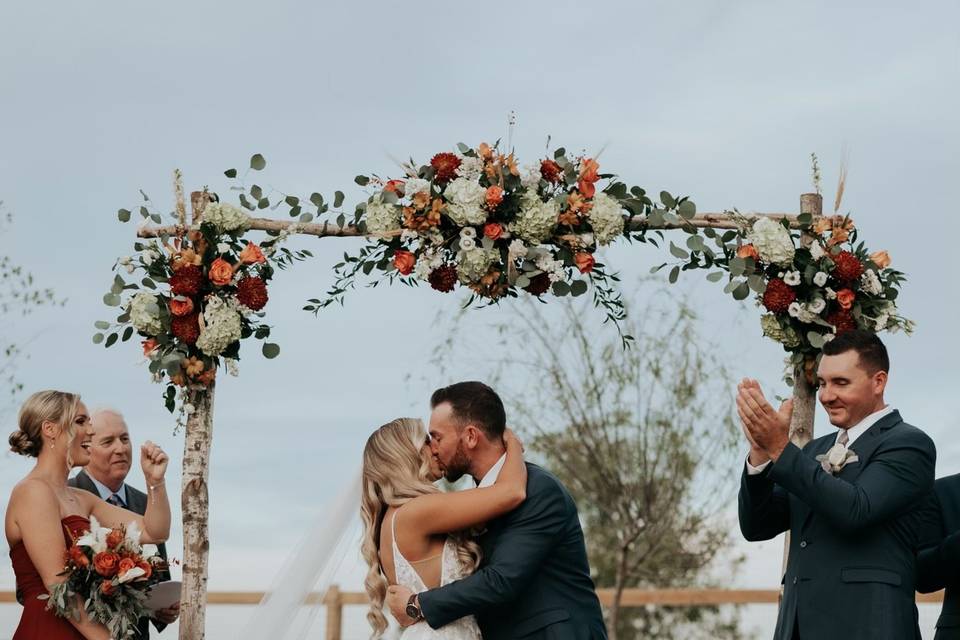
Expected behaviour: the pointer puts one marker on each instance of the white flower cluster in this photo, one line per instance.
(536, 220)
(871, 282)
(471, 167)
(221, 326)
(465, 200)
(606, 218)
(233, 367)
(144, 311)
(791, 278)
(816, 250)
(382, 217)
(473, 265)
(226, 217)
(773, 329)
(820, 278)
(772, 241)
(413, 186)
(807, 312)
(553, 268)
(517, 249)
(530, 179)
(430, 259)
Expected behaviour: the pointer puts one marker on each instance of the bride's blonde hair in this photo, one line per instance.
(394, 473)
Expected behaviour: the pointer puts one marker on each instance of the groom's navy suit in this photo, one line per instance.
(534, 581)
(938, 567)
(853, 536)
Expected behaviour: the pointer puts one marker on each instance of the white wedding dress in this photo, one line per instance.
(450, 570)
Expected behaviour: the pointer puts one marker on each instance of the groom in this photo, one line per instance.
(534, 581)
(853, 501)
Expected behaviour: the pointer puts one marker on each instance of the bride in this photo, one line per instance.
(414, 534)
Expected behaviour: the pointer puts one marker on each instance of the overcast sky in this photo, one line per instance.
(722, 101)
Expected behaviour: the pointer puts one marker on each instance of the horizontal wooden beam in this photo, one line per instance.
(631, 597)
(327, 230)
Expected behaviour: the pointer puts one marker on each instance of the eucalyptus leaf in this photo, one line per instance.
(123, 215)
(338, 198)
(257, 162)
(741, 292)
(111, 340)
(715, 276)
(674, 274)
(271, 350)
(97, 338)
(578, 287)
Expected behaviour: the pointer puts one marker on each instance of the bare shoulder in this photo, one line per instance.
(33, 491)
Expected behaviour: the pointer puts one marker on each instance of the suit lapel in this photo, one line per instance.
(821, 447)
(867, 444)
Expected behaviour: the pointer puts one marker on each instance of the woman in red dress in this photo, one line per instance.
(44, 512)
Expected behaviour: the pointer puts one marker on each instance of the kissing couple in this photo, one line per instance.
(504, 560)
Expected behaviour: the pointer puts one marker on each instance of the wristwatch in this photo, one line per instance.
(413, 608)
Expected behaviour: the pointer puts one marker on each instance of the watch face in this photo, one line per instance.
(413, 611)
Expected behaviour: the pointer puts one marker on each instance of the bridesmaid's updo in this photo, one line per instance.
(44, 406)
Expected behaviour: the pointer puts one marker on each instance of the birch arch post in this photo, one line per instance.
(470, 219)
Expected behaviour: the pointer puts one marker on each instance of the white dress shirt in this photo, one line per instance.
(491, 476)
(853, 433)
(105, 491)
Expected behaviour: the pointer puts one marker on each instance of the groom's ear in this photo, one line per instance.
(472, 436)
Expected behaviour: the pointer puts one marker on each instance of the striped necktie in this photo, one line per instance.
(115, 500)
(843, 437)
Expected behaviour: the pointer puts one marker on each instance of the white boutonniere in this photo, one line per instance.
(836, 458)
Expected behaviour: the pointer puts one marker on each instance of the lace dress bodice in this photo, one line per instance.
(450, 570)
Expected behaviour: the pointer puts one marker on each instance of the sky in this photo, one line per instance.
(721, 101)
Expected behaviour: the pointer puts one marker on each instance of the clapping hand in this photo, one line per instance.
(154, 462)
(767, 429)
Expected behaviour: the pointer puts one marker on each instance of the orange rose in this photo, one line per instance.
(881, 259)
(114, 538)
(148, 346)
(584, 261)
(105, 563)
(78, 557)
(147, 569)
(394, 186)
(748, 251)
(252, 254)
(107, 588)
(125, 565)
(493, 230)
(845, 298)
(181, 306)
(494, 196)
(221, 272)
(404, 261)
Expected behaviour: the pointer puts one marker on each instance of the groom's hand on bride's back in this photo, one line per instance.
(397, 598)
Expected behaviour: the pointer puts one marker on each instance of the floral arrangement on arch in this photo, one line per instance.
(109, 573)
(476, 219)
(202, 290)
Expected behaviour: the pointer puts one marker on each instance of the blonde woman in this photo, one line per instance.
(44, 512)
(414, 534)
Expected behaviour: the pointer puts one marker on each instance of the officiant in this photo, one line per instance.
(111, 456)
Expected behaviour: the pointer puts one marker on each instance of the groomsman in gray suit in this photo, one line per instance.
(852, 500)
(111, 455)
(938, 566)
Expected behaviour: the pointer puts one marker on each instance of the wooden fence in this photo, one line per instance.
(335, 600)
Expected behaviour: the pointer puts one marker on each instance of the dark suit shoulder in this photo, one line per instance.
(948, 485)
(545, 488)
(906, 434)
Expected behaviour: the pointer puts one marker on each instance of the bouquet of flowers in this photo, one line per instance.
(109, 574)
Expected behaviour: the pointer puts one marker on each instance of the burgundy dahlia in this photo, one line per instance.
(186, 281)
(539, 285)
(445, 167)
(778, 296)
(252, 293)
(846, 267)
(550, 171)
(443, 278)
(842, 321)
(186, 328)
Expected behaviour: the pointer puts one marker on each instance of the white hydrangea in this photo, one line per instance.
(871, 282)
(226, 217)
(820, 278)
(144, 311)
(429, 260)
(471, 167)
(382, 217)
(772, 241)
(408, 235)
(773, 329)
(816, 251)
(473, 265)
(221, 326)
(606, 218)
(530, 178)
(553, 268)
(536, 220)
(465, 200)
(413, 186)
(792, 278)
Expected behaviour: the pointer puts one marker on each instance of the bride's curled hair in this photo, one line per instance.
(394, 473)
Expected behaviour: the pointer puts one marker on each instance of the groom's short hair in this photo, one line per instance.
(870, 349)
(474, 403)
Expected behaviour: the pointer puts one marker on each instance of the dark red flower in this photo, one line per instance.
(186, 281)
(252, 293)
(445, 167)
(443, 278)
(778, 296)
(186, 328)
(846, 267)
(550, 171)
(539, 285)
(842, 321)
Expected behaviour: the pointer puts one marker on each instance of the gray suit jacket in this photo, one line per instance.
(938, 565)
(137, 503)
(534, 581)
(853, 537)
